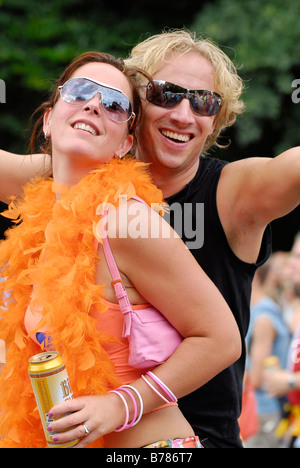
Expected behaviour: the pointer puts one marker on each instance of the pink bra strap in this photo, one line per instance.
(120, 290)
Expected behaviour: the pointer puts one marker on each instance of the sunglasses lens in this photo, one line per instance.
(205, 103)
(115, 104)
(78, 90)
(165, 94)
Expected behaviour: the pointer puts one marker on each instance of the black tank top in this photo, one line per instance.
(213, 410)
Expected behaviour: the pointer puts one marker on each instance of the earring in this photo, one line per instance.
(118, 156)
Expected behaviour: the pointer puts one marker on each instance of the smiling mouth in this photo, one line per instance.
(177, 137)
(86, 128)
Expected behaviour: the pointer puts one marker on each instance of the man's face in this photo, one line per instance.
(173, 139)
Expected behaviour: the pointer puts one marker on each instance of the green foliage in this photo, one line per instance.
(37, 40)
(263, 38)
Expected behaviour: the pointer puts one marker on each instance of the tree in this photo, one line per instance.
(263, 38)
(38, 39)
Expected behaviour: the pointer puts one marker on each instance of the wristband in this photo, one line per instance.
(292, 382)
(121, 428)
(154, 389)
(122, 389)
(141, 403)
(163, 386)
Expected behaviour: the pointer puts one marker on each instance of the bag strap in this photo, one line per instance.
(120, 290)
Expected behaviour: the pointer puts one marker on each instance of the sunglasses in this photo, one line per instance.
(166, 94)
(116, 105)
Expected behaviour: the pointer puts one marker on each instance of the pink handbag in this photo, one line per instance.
(152, 339)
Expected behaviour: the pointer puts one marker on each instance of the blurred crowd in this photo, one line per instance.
(271, 403)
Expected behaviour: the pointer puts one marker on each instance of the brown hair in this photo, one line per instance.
(131, 73)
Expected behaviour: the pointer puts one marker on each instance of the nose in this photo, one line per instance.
(182, 113)
(94, 105)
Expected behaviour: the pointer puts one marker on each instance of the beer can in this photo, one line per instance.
(50, 383)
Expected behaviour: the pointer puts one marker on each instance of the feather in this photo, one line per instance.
(52, 249)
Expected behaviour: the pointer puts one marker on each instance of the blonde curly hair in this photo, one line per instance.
(151, 54)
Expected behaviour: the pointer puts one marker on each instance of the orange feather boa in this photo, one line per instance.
(52, 249)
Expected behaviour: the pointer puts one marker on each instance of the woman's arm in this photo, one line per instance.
(16, 170)
(166, 275)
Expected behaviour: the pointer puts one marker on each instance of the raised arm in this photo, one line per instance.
(252, 193)
(16, 170)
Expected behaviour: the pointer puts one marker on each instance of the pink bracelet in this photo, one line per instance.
(163, 386)
(134, 405)
(121, 428)
(141, 403)
(154, 389)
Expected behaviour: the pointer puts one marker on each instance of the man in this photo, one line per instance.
(240, 199)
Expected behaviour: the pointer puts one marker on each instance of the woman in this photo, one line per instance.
(60, 283)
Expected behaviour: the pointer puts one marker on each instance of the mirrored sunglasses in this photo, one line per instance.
(116, 105)
(166, 94)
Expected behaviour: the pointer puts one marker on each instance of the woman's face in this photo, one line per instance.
(101, 138)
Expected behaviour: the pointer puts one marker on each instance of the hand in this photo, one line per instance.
(276, 382)
(101, 415)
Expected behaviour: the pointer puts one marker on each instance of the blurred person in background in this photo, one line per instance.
(286, 382)
(274, 279)
(291, 286)
(268, 336)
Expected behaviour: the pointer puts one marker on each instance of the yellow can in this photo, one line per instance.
(51, 385)
(271, 363)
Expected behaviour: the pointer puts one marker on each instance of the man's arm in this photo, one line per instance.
(252, 193)
(16, 170)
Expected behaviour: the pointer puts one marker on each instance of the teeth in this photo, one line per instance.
(86, 127)
(176, 136)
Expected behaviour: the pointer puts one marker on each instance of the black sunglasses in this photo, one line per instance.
(166, 94)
